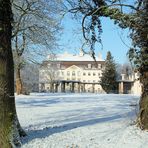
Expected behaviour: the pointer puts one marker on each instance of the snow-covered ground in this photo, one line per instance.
(80, 121)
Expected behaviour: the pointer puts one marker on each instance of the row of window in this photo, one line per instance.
(85, 81)
(73, 73)
(90, 81)
(88, 66)
(91, 74)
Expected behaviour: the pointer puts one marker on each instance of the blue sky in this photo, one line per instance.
(71, 39)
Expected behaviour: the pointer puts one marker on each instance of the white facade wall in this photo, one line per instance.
(87, 75)
(136, 87)
(83, 75)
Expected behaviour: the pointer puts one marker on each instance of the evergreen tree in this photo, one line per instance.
(108, 79)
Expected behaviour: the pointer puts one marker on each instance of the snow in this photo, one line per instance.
(80, 121)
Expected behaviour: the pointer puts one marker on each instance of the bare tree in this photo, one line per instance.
(30, 77)
(35, 28)
(10, 129)
(49, 73)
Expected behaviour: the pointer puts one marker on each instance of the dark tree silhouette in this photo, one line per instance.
(127, 15)
(10, 130)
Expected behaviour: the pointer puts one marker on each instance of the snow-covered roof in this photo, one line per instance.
(73, 57)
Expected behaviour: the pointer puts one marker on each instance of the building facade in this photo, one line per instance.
(72, 73)
(130, 84)
(81, 73)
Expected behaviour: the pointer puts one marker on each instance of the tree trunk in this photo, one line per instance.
(19, 86)
(143, 35)
(9, 125)
(51, 87)
(143, 113)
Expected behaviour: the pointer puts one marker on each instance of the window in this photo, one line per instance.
(84, 74)
(73, 73)
(68, 73)
(94, 81)
(58, 66)
(62, 73)
(99, 65)
(94, 73)
(89, 65)
(83, 80)
(98, 74)
(62, 67)
(89, 74)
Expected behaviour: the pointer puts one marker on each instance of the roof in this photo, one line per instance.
(72, 57)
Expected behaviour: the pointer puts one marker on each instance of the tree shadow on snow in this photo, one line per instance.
(45, 132)
(39, 103)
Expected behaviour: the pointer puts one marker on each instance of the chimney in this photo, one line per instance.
(81, 53)
(99, 56)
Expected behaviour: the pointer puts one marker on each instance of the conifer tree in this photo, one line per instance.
(108, 79)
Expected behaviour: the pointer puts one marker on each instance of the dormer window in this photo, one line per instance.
(81, 53)
(58, 66)
(89, 65)
(99, 66)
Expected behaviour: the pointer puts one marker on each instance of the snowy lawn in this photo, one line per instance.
(80, 121)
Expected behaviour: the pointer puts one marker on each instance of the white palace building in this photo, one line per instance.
(79, 73)
(72, 73)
